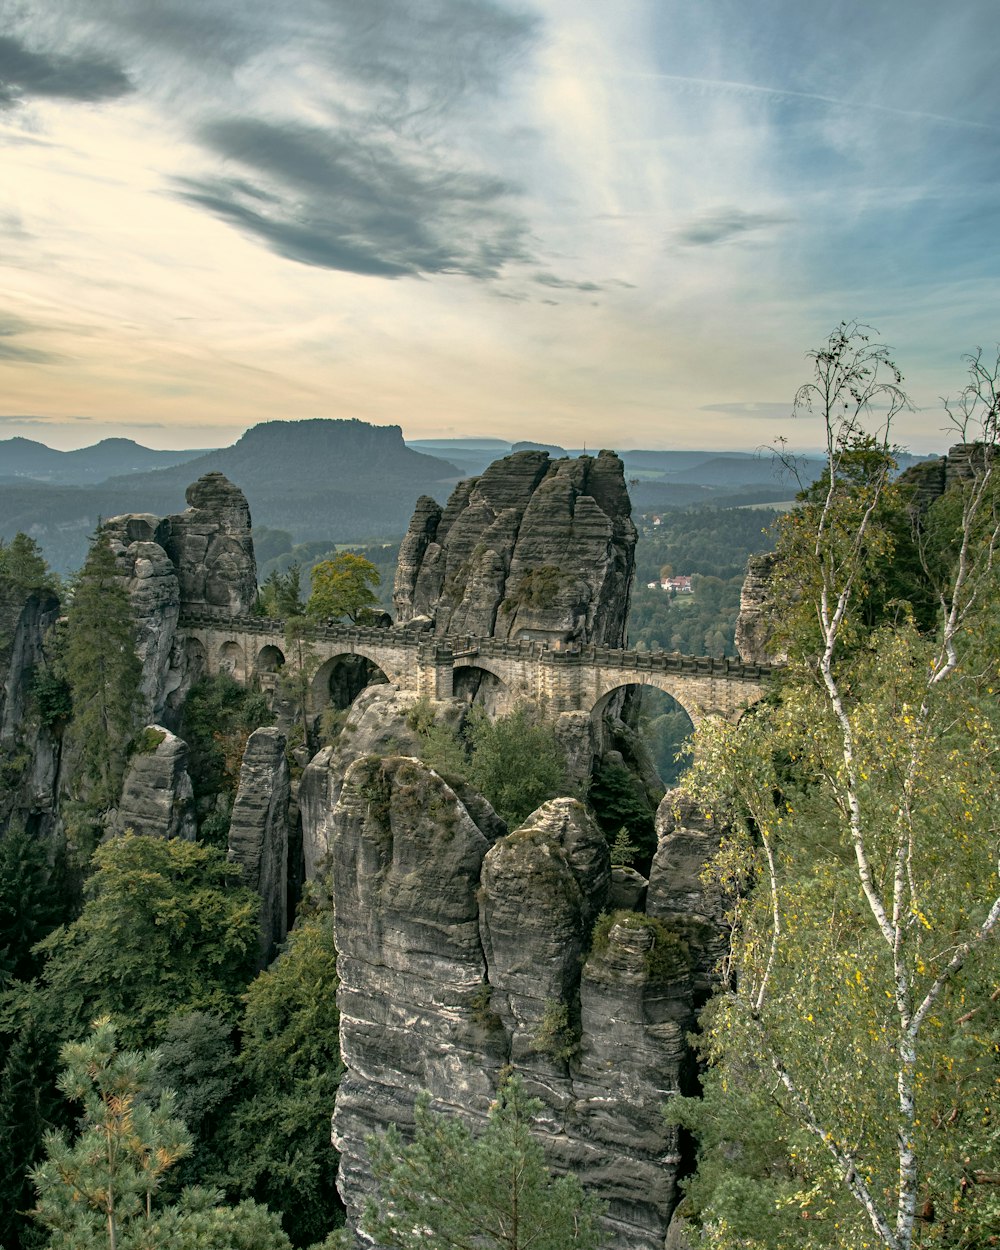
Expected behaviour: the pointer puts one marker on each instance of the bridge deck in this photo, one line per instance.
(465, 646)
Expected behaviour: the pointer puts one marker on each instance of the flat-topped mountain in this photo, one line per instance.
(316, 479)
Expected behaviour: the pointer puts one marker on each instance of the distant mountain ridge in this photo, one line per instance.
(343, 480)
(23, 458)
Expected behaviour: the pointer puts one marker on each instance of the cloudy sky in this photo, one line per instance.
(618, 224)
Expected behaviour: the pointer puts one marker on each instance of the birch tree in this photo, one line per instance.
(854, 1053)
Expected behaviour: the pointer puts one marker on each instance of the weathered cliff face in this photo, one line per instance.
(406, 858)
(258, 833)
(29, 751)
(211, 548)
(154, 595)
(457, 959)
(378, 723)
(533, 548)
(687, 839)
(200, 560)
(157, 796)
(753, 625)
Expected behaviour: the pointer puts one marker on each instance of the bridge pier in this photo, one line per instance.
(436, 670)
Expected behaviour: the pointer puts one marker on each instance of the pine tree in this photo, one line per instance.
(450, 1190)
(103, 672)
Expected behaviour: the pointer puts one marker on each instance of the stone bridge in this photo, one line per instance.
(253, 649)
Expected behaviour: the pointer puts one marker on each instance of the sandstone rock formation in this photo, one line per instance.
(413, 1012)
(533, 548)
(457, 959)
(753, 625)
(32, 750)
(211, 548)
(258, 833)
(687, 839)
(157, 797)
(200, 560)
(154, 596)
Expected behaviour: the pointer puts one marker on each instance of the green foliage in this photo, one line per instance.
(195, 1058)
(440, 747)
(31, 903)
(217, 718)
(449, 1190)
(167, 927)
(516, 762)
(52, 697)
(343, 587)
(276, 1145)
(148, 740)
(714, 542)
(29, 1104)
(102, 1189)
(619, 802)
(863, 961)
(281, 593)
(99, 1189)
(103, 674)
(623, 849)
(23, 567)
(537, 588)
(668, 956)
(556, 1035)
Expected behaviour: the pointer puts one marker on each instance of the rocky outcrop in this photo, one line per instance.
(157, 796)
(198, 561)
(457, 960)
(534, 549)
(753, 625)
(154, 596)
(687, 838)
(24, 621)
(29, 748)
(258, 833)
(542, 888)
(414, 1005)
(378, 723)
(211, 548)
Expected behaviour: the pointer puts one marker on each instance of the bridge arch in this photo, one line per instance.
(664, 682)
(340, 679)
(233, 660)
(478, 681)
(269, 659)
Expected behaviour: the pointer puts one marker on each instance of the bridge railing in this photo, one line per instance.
(493, 648)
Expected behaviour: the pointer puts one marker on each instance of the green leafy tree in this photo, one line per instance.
(32, 903)
(857, 1040)
(516, 762)
(343, 587)
(29, 1105)
(167, 927)
(276, 1146)
(449, 1190)
(103, 673)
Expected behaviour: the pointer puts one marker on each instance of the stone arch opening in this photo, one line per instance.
(232, 660)
(483, 688)
(661, 723)
(269, 659)
(341, 678)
